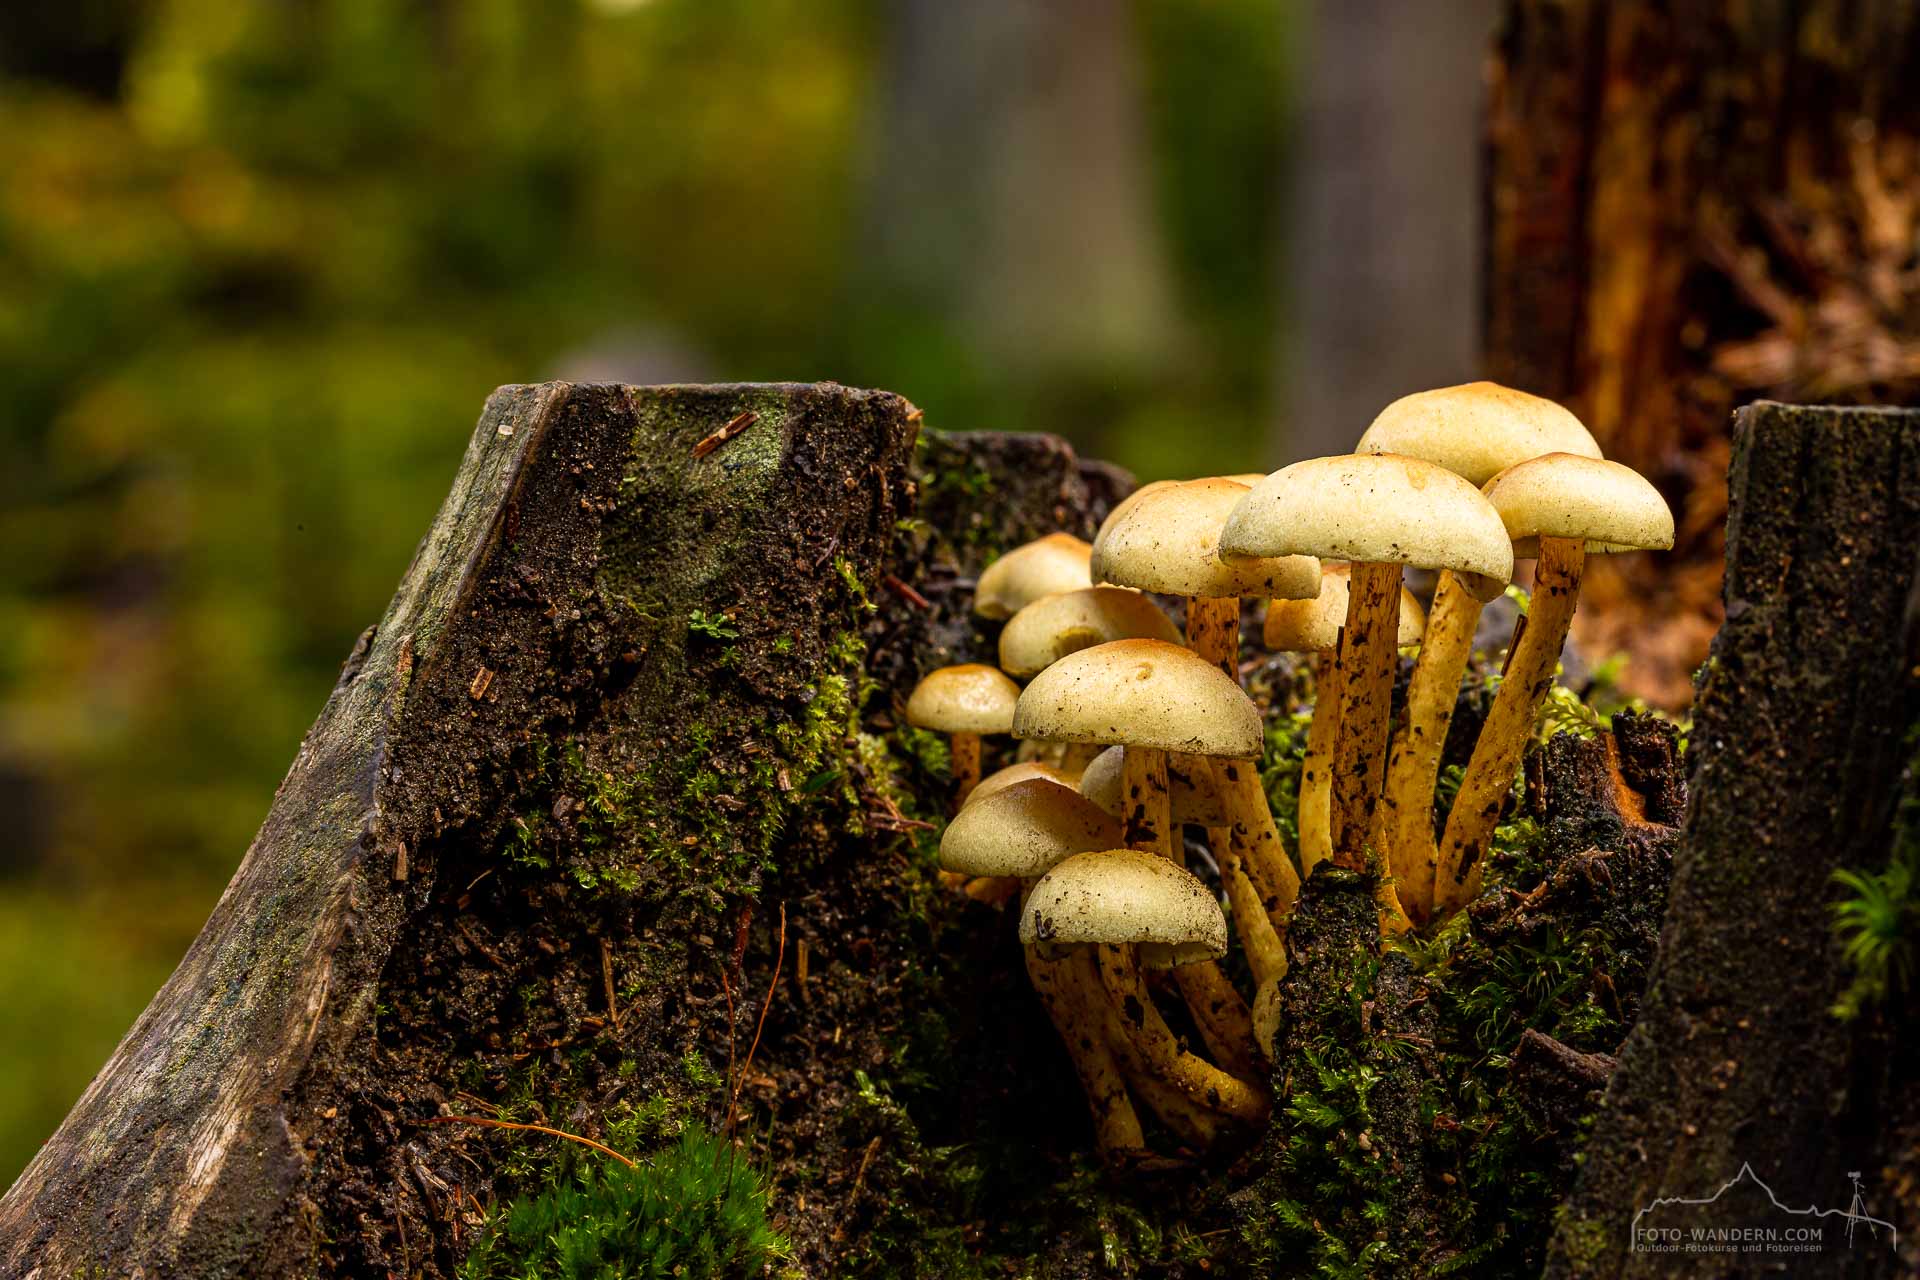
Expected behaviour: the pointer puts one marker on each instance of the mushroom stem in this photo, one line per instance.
(1218, 1010)
(964, 750)
(1255, 841)
(1316, 770)
(1496, 755)
(1366, 657)
(1413, 765)
(1159, 1053)
(1266, 954)
(1078, 1015)
(1213, 631)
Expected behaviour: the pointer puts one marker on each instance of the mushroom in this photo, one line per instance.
(1140, 909)
(1155, 698)
(1054, 626)
(1313, 626)
(1057, 562)
(1020, 772)
(1379, 512)
(964, 702)
(1559, 509)
(1473, 430)
(1020, 832)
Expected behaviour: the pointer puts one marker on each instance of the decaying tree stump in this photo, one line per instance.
(1690, 206)
(1798, 750)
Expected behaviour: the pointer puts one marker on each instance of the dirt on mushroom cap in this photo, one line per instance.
(1144, 693)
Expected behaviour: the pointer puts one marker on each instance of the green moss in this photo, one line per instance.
(694, 1209)
(1878, 919)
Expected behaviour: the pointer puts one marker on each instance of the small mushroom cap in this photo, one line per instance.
(1310, 626)
(1170, 541)
(1378, 508)
(1145, 693)
(1024, 829)
(1126, 896)
(969, 698)
(1054, 626)
(1476, 429)
(1194, 801)
(1020, 772)
(1607, 506)
(1057, 562)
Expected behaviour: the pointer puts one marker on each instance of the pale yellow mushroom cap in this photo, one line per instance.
(1054, 626)
(1378, 508)
(969, 698)
(1057, 562)
(1127, 504)
(1024, 829)
(1476, 429)
(1310, 626)
(1169, 541)
(1020, 772)
(1145, 693)
(1194, 799)
(1608, 507)
(1126, 896)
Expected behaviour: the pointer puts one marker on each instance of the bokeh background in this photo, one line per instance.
(261, 263)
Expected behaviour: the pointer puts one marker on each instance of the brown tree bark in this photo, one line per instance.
(1802, 733)
(1690, 206)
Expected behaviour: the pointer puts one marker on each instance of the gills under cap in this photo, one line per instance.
(1169, 541)
(1193, 799)
(1054, 626)
(1372, 508)
(1024, 829)
(1476, 429)
(1310, 626)
(1608, 507)
(1145, 693)
(1057, 562)
(1126, 896)
(969, 698)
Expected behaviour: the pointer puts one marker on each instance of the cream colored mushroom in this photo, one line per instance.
(1559, 508)
(1043, 567)
(1054, 626)
(1378, 512)
(1139, 908)
(1475, 431)
(1020, 772)
(964, 701)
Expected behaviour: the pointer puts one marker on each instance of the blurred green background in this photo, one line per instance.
(261, 263)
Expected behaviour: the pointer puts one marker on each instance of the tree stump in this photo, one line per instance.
(1800, 749)
(611, 720)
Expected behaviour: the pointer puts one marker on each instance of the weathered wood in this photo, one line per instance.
(1797, 756)
(246, 1124)
(1691, 206)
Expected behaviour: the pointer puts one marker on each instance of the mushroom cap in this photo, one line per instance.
(969, 698)
(1145, 693)
(1375, 508)
(1608, 507)
(1476, 429)
(1122, 896)
(1020, 772)
(1057, 562)
(1054, 626)
(1170, 541)
(1310, 626)
(1193, 800)
(1127, 504)
(1024, 829)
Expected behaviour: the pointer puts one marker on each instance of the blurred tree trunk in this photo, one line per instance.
(1381, 226)
(1689, 207)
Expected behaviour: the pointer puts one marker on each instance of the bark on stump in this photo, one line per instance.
(601, 712)
(1798, 751)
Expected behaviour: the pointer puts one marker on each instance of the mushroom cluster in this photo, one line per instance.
(1137, 735)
